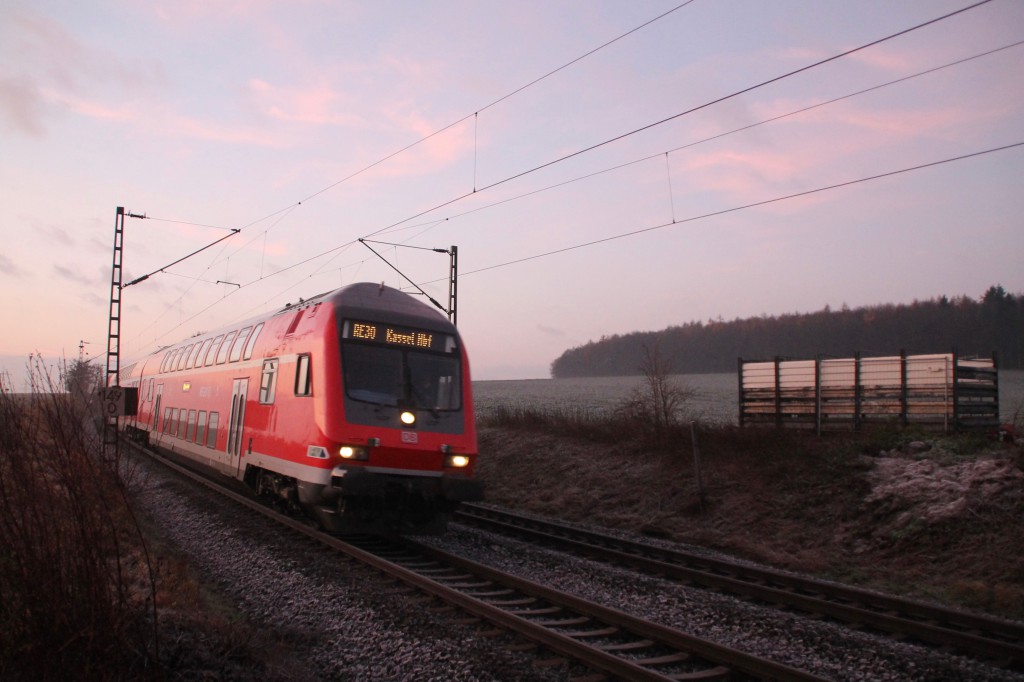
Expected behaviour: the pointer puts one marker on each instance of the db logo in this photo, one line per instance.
(410, 437)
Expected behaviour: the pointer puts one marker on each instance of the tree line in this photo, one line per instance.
(992, 323)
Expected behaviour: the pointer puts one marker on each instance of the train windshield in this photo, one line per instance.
(399, 374)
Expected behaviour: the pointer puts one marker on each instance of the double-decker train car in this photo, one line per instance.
(354, 406)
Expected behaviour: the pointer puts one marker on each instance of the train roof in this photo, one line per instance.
(365, 299)
(373, 300)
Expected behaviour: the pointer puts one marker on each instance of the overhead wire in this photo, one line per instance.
(687, 112)
(743, 207)
(704, 216)
(434, 223)
(475, 113)
(597, 145)
(288, 209)
(456, 199)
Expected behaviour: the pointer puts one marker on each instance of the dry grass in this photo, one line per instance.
(75, 582)
(87, 587)
(785, 498)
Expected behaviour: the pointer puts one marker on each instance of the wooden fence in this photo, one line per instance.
(939, 392)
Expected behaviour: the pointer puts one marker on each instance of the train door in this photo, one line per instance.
(235, 423)
(155, 417)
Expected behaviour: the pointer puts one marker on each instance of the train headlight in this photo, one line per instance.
(456, 461)
(353, 452)
(408, 418)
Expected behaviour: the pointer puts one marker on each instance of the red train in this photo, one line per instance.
(354, 406)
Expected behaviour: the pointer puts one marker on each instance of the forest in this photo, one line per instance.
(992, 324)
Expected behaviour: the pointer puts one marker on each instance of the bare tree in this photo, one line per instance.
(658, 402)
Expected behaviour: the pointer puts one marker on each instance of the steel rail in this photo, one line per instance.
(599, 621)
(456, 583)
(998, 640)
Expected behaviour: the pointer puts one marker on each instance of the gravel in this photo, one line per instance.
(322, 616)
(326, 618)
(826, 649)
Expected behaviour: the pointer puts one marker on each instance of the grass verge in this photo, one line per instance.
(913, 513)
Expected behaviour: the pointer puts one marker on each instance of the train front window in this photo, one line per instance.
(398, 373)
(433, 381)
(373, 375)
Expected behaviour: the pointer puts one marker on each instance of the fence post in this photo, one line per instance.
(817, 392)
(956, 390)
(856, 392)
(778, 393)
(945, 393)
(995, 370)
(904, 407)
(739, 374)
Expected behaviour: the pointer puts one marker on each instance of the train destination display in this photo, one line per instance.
(407, 337)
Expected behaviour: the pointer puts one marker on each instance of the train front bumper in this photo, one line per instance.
(367, 483)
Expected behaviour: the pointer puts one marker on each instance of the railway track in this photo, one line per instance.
(609, 642)
(997, 641)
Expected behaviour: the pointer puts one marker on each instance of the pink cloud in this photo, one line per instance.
(167, 124)
(90, 109)
(893, 121)
(742, 175)
(917, 123)
(227, 133)
(318, 105)
(889, 60)
(436, 152)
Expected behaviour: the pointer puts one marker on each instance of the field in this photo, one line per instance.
(714, 398)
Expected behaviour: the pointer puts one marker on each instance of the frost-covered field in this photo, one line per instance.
(714, 395)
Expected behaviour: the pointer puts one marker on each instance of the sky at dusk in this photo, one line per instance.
(602, 166)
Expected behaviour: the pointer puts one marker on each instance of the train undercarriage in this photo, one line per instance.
(362, 502)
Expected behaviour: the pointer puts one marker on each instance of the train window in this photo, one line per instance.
(372, 374)
(191, 361)
(201, 355)
(169, 360)
(433, 381)
(167, 419)
(201, 428)
(172, 423)
(385, 375)
(211, 435)
(212, 353)
(252, 341)
(239, 344)
(303, 383)
(183, 357)
(190, 434)
(222, 354)
(268, 382)
(182, 422)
